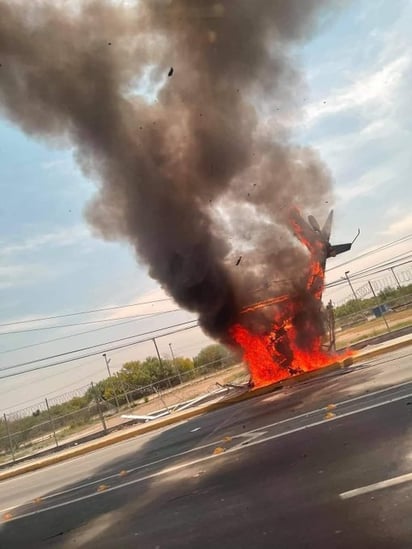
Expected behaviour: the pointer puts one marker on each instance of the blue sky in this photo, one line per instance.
(355, 111)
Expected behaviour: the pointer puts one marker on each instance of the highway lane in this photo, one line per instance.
(177, 488)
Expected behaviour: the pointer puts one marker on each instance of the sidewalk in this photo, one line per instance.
(236, 395)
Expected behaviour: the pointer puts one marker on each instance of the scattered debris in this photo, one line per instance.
(109, 43)
(171, 70)
(238, 261)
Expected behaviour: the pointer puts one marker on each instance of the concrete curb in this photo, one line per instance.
(121, 436)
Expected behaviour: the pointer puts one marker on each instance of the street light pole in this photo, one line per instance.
(351, 287)
(107, 361)
(174, 363)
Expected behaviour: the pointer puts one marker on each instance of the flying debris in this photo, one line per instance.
(238, 261)
(170, 73)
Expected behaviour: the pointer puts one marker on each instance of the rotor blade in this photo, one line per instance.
(327, 227)
(314, 223)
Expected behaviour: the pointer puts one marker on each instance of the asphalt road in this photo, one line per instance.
(322, 464)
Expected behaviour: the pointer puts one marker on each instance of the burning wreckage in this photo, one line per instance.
(295, 342)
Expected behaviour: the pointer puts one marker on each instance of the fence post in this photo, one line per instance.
(101, 415)
(9, 437)
(123, 390)
(52, 423)
(157, 390)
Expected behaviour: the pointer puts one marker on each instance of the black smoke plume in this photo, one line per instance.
(179, 110)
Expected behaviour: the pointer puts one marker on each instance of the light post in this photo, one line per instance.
(351, 287)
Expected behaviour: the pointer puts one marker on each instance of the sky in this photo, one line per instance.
(355, 112)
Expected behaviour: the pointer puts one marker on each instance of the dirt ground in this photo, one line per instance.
(374, 327)
(187, 391)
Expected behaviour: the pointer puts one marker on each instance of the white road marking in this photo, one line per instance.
(339, 404)
(129, 471)
(248, 438)
(90, 455)
(236, 448)
(377, 486)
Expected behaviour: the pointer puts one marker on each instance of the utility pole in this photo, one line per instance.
(174, 363)
(107, 361)
(395, 277)
(160, 359)
(377, 301)
(157, 352)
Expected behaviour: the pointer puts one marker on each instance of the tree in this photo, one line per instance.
(213, 356)
(184, 368)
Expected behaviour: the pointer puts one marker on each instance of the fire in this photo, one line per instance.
(279, 353)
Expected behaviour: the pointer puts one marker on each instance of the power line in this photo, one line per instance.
(114, 307)
(107, 350)
(365, 273)
(371, 252)
(44, 342)
(57, 326)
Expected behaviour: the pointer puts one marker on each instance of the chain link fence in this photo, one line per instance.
(87, 413)
(374, 317)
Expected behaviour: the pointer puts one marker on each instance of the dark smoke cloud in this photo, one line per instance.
(189, 176)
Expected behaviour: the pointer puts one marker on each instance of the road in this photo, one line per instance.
(322, 464)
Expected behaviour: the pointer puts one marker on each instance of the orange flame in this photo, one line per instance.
(277, 355)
